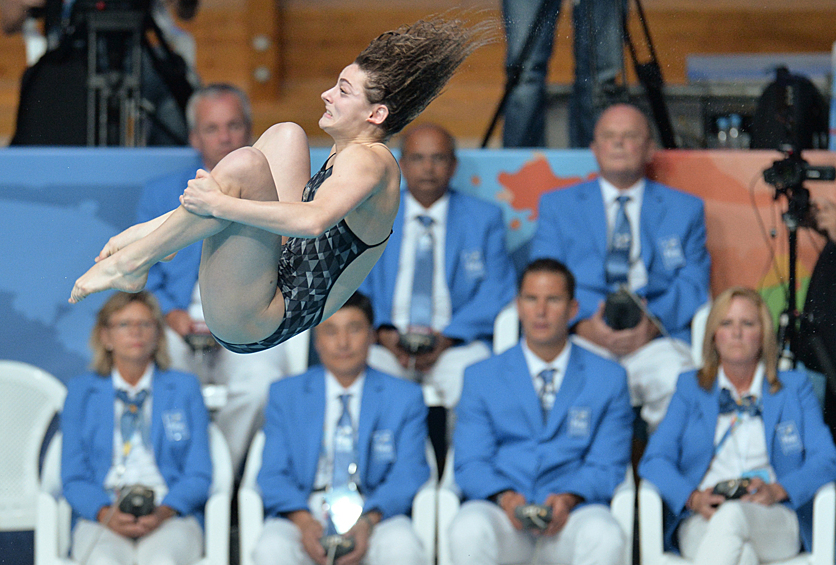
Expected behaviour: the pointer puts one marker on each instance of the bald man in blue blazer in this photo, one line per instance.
(473, 279)
(668, 261)
(390, 430)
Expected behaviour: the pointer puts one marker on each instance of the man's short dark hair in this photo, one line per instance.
(549, 265)
(361, 301)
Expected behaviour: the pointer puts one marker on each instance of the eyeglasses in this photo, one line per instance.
(127, 325)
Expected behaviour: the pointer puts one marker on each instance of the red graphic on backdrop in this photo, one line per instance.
(522, 189)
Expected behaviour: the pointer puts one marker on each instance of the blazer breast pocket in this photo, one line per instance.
(670, 249)
(788, 438)
(579, 423)
(383, 447)
(176, 426)
(473, 264)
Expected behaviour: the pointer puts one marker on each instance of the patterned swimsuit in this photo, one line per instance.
(308, 269)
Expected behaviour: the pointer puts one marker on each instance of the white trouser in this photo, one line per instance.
(740, 533)
(482, 534)
(392, 541)
(247, 378)
(442, 384)
(652, 372)
(178, 541)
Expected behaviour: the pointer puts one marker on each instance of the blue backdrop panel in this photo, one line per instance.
(59, 207)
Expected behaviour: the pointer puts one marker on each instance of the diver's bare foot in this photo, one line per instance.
(130, 235)
(105, 275)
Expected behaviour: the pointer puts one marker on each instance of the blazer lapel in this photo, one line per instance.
(594, 219)
(571, 385)
(772, 407)
(518, 378)
(311, 441)
(162, 391)
(102, 400)
(373, 399)
(453, 238)
(652, 213)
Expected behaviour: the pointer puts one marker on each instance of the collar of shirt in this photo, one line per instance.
(333, 405)
(536, 365)
(144, 383)
(610, 193)
(754, 389)
(437, 211)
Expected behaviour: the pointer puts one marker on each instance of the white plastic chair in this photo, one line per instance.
(449, 500)
(506, 328)
(251, 507)
(52, 534)
(698, 332)
(29, 400)
(651, 533)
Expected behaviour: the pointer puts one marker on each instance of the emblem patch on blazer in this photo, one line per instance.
(788, 437)
(579, 422)
(474, 264)
(383, 446)
(673, 256)
(176, 427)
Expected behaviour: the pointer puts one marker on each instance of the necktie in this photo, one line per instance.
(131, 421)
(547, 391)
(421, 305)
(747, 405)
(618, 257)
(344, 464)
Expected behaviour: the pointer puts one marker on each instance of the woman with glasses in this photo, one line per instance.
(135, 463)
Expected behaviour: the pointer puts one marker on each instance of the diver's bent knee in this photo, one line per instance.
(284, 134)
(243, 171)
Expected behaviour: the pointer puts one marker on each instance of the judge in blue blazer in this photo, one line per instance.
(473, 276)
(388, 419)
(738, 417)
(131, 422)
(668, 261)
(547, 422)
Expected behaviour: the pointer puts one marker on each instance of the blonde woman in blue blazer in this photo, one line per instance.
(738, 417)
(132, 422)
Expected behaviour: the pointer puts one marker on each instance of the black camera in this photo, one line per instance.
(137, 500)
(733, 488)
(621, 311)
(534, 516)
(794, 170)
(339, 545)
(417, 340)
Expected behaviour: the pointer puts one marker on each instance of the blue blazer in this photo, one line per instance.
(391, 440)
(182, 454)
(171, 282)
(502, 443)
(480, 275)
(799, 445)
(572, 228)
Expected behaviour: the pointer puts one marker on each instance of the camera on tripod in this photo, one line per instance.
(793, 170)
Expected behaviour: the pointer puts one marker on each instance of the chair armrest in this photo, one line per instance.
(824, 524)
(449, 502)
(250, 522)
(425, 517)
(46, 530)
(651, 536)
(623, 506)
(217, 528)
